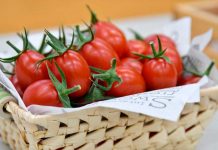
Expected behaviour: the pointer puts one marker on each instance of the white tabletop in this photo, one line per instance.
(144, 25)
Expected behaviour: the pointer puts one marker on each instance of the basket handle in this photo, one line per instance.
(5, 98)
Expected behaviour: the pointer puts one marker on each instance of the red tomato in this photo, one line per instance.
(111, 34)
(132, 63)
(132, 83)
(26, 69)
(41, 92)
(163, 39)
(76, 70)
(99, 54)
(136, 46)
(189, 79)
(173, 55)
(16, 84)
(159, 74)
(176, 60)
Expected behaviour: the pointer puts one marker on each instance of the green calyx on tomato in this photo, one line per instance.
(83, 37)
(61, 87)
(58, 45)
(62, 35)
(94, 94)
(94, 18)
(17, 50)
(137, 35)
(156, 54)
(108, 76)
(31, 46)
(97, 91)
(205, 73)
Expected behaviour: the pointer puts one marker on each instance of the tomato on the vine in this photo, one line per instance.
(110, 33)
(132, 64)
(118, 81)
(159, 74)
(158, 71)
(97, 52)
(132, 83)
(49, 92)
(165, 40)
(26, 68)
(42, 92)
(76, 70)
(171, 53)
(74, 66)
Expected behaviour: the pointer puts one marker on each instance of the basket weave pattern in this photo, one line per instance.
(106, 129)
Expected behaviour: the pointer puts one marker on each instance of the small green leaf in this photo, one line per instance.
(94, 94)
(55, 43)
(49, 57)
(137, 35)
(25, 39)
(11, 59)
(159, 44)
(208, 70)
(94, 18)
(72, 90)
(61, 87)
(43, 44)
(97, 69)
(14, 47)
(83, 37)
(143, 56)
(64, 82)
(166, 58)
(110, 76)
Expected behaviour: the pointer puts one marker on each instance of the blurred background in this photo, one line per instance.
(40, 14)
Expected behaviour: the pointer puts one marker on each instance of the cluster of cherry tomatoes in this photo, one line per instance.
(98, 64)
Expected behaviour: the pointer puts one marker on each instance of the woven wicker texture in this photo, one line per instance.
(106, 129)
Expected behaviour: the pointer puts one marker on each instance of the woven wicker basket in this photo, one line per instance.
(104, 129)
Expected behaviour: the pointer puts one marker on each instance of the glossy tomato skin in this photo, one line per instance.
(132, 63)
(111, 34)
(76, 70)
(159, 74)
(41, 92)
(16, 84)
(174, 57)
(189, 79)
(136, 46)
(163, 39)
(176, 60)
(132, 83)
(26, 68)
(99, 54)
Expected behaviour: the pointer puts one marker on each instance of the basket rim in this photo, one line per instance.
(13, 107)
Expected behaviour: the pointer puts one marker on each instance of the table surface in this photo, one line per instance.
(144, 25)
